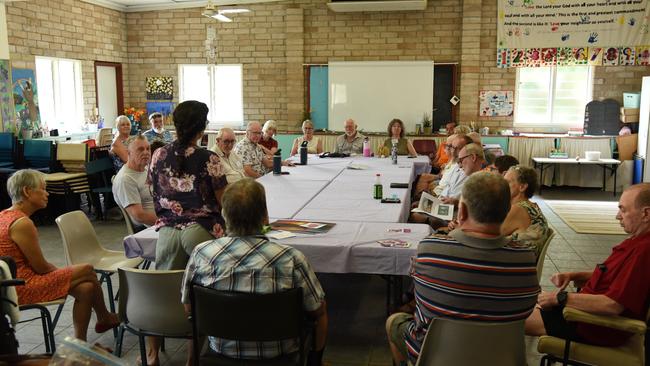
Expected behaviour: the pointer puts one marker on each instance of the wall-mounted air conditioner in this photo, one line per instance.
(378, 5)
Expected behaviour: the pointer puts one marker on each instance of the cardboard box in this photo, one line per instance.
(629, 119)
(630, 111)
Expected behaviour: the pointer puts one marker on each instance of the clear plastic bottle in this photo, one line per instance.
(378, 188)
(393, 153)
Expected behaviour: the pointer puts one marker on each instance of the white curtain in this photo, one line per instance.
(527, 148)
(582, 175)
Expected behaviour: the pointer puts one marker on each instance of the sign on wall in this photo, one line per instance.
(569, 32)
(496, 103)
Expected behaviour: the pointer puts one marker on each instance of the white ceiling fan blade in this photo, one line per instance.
(234, 11)
(222, 18)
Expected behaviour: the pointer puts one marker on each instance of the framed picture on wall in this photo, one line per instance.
(496, 103)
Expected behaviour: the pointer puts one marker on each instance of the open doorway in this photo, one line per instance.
(109, 91)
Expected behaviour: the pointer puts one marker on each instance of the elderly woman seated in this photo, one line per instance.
(525, 222)
(267, 142)
(119, 152)
(396, 136)
(44, 281)
(314, 144)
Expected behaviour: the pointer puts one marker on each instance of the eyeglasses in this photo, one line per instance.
(460, 159)
(227, 142)
(255, 132)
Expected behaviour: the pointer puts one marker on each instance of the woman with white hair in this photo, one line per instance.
(43, 280)
(314, 144)
(119, 152)
(267, 142)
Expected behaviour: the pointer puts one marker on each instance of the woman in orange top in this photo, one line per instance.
(44, 281)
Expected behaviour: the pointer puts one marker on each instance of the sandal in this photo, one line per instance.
(103, 327)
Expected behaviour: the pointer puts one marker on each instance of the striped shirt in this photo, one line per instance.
(470, 278)
(253, 265)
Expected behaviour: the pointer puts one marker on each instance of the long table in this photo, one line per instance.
(326, 190)
(606, 164)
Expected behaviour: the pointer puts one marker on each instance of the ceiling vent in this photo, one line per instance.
(378, 5)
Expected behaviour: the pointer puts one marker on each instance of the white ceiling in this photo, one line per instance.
(148, 5)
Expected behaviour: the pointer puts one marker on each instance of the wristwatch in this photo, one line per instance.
(562, 298)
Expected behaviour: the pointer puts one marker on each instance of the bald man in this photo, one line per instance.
(254, 161)
(351, 142)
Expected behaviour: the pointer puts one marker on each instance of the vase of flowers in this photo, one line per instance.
(135, 116)
(426, 124)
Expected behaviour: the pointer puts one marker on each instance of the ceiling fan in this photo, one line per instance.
(211, 11)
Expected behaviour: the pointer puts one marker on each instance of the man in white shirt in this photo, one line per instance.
(130, 187)
(231, 163)
(454, 173)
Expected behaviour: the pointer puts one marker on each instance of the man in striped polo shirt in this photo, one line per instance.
(473, 274)
(246, 261)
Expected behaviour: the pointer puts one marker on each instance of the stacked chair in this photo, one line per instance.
(38, 154)
(73, 181)
(7, 149)
(104, 136)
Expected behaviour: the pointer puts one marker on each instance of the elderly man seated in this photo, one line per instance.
(157, 131)
(246, 261)
(130, 187)
(254, 161)
(351, 142)
(453, 170)
(502, 288)
(618, 286)
(230, 161)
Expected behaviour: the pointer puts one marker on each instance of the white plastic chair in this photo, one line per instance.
(150, 305)
(468, 343)
(542, 254)
(80, 245)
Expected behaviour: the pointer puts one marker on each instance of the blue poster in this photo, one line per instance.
(6, 99)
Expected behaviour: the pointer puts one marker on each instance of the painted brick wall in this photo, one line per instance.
(273, 42)
(67, 29)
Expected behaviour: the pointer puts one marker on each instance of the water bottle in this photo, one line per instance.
(393, 153)
(366, 147)
(378, 188)
(277, 163)
(303, 153)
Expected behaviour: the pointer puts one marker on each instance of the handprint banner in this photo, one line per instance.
(546, 24)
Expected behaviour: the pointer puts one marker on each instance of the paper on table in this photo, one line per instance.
(432, 206)
(279, 234)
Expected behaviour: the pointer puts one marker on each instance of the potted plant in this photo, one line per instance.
(426, 124)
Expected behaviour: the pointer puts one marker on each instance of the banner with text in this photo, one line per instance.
(538, 33)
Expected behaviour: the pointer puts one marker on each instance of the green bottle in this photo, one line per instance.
(378, 189)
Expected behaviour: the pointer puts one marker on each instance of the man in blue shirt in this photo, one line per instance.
(157, 131)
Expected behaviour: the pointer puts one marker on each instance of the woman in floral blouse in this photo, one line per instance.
(187, 182)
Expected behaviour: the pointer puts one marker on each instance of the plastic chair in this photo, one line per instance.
(47, 322)
(570, 352)
(99, 177)
(104, 136)
(80, 245)
(468, 343)
(240, 317)
(72, 156)
(150, 305)
(38, 154)
(7, 149)
(542, 254)
(131, 229)
(425, 147)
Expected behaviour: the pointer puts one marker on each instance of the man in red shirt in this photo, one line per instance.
(618, 286)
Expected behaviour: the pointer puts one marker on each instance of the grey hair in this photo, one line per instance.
(307, 121)
(224, 130)
(243, 206)
(462, 129)
(121, 119)
(269, 124)
(248, 127)
(475, 149)
(25, 178)
(487, 197)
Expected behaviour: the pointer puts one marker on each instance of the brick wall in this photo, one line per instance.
(67, 29)
(273, 42)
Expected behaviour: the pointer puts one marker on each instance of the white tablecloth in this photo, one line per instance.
(349, 247)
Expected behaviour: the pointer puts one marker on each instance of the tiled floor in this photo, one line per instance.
(355, 302)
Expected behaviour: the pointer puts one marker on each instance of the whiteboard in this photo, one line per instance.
(374, 92)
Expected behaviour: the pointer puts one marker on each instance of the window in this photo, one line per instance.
(218, 86)
(60, 98)
(553, 96)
